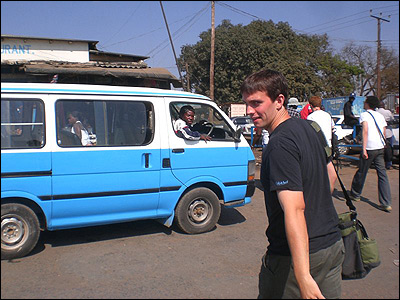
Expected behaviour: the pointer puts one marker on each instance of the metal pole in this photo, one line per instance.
(172, 45)
(378, 58)
(212, 50)
(187, 77)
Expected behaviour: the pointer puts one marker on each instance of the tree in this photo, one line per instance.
(306, 61)
(390, 72)
(364, 58)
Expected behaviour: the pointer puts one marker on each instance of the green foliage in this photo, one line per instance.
(306, 61)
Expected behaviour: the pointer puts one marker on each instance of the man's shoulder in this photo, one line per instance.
(386, 113)
(178, 124)
(364, 113)
(379, 116)
(371, 115)
(294, 126)
(319, 113)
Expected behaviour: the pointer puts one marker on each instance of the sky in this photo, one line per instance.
(138, 27)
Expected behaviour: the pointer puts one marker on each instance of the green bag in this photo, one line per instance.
(361, 252)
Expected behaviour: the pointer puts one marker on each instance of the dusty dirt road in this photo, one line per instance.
(146, 260)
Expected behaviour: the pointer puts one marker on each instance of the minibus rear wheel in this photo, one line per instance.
(198, 211)
(19, 230)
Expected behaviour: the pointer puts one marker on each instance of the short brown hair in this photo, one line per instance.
(315, 101)
(271, 82)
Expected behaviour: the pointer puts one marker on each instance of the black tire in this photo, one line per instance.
(19, 230)
(198, 211)
(343, 150)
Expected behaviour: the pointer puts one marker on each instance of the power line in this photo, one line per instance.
(147, 33)
(336, 20)
(125, 22)
(175, 34)
(239, 11)
(178, 36)
(327, 29)
(352, 25)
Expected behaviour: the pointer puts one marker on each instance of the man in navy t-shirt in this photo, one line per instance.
(305, 251)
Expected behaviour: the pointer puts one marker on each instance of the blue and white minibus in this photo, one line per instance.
(126, 163)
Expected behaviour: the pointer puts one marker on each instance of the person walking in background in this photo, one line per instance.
(305, 248)
(292, 108)
(305, 111)
(372, 152)
(324, 120)
(389, 118)
(261, 135)
(265, 138)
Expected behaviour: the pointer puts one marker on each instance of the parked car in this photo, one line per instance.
(245, 123)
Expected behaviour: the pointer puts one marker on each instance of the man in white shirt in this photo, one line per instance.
(388, 134)
(323, 118)
(372, 152)
(324, 121)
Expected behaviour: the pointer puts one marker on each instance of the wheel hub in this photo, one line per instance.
(198, 211)
(12, 230)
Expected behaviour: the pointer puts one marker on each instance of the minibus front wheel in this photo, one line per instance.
(198, 211)
(19, 230)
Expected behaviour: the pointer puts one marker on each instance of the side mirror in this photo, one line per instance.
(237, 134)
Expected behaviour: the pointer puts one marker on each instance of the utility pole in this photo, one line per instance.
(212, 50)
(187, 78)
(378, 58)
(172, 45)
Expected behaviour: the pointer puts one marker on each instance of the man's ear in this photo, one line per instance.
(280, 101)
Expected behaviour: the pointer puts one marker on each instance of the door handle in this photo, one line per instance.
(178, 150)
(146, 160)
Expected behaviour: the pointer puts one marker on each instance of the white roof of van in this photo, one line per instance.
(57, 88)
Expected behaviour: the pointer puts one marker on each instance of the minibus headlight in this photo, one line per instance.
(251, 170)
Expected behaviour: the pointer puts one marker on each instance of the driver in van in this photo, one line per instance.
(183, 126)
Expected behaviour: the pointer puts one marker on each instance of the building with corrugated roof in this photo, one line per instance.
(38, 59)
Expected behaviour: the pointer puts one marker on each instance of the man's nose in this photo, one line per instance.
(249, 110)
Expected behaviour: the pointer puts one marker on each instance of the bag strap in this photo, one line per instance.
(349, 203)
(328, 152)
(321, 137)
(362, 229)
(382, 136)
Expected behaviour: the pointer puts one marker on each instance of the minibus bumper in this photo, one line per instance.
(251, 186)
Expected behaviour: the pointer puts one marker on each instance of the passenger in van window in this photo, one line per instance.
(78, 128)
(183, 126)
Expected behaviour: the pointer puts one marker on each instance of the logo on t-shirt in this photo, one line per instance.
(279, 183)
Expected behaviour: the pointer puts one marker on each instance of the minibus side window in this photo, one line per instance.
(207, 120)
(22, 124)
(106, 123)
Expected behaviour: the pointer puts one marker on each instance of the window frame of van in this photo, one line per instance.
(103, 110)
(173, 108)
(42, 106)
